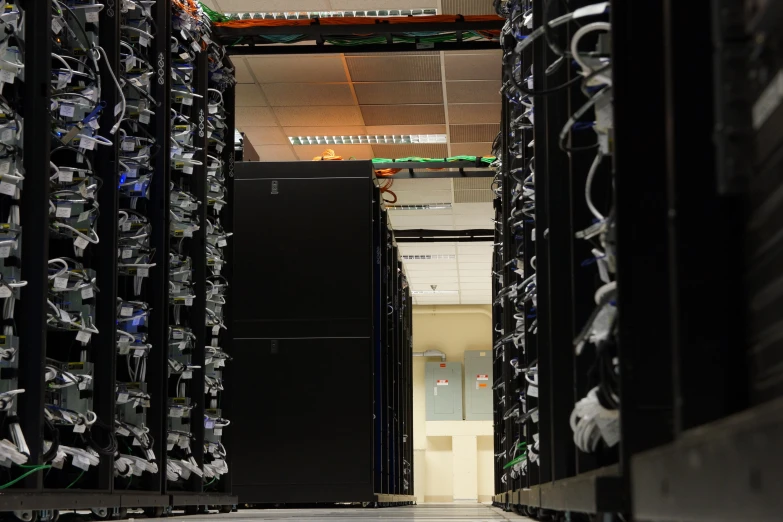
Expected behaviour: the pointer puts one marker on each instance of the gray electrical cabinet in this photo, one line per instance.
(444, 391)
(478, 385)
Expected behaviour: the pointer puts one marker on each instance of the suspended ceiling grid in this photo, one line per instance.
(464, 268)
(409, 93)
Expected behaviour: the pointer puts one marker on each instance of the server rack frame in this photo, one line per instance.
(30, 494)
(689, 428)
(391, 315)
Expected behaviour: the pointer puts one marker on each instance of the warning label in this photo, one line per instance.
(482, 377)
(443, 382)
(482, 385)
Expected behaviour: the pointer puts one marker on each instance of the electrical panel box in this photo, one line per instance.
(444, 391)
(478, 385)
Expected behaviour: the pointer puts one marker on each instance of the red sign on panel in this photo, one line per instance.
(482, 377)
(442, 365)
(443, 382)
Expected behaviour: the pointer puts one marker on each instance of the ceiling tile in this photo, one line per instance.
(255, 117)
(399, 93)
(308, 152)
(249, 95)
(452, 273)
(308, 94)
(481, 132)
(474, 273)
(432, 267)
(428, 248)
(468, 7)
(266, 136)
(475, 209)
(420, 197)
(473, 91)
(475, 258)
(473, 221)
(472, 66)
(421, 221)
(406, 129)
(443, 286)
(481, 287)
(421, 214)
(422, 150)
(474, 248)
(423, 184)
(275, 153)
(474, 113)
(390, 68)
(403, 114)
(363, 5)
(242, 71)
(356, 130)
(273, 6)
(318, 116)
(437, 299)
(468, 279)
(299, 69)
(471, 149)
(476, 266)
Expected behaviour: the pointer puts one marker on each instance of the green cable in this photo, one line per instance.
(214, 15)
(516, 461)
(75, 480)
(20, 477)
(488, 159)
(211, 481)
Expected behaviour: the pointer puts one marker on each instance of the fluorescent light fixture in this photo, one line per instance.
(427, 206)
(428, 257)
(298, 15)
(434, 292)
(389, 139)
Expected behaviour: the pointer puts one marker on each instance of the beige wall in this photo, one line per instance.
(439, 470)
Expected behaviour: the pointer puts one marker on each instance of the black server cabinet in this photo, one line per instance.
(308, 267)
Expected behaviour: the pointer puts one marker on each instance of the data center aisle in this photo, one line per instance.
(421, 513)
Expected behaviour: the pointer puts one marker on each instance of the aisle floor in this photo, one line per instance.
(420, 513)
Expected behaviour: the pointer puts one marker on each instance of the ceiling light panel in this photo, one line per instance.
(427, 206)
(368, 139)
(304, 15)
(434, 292)
(428, 257)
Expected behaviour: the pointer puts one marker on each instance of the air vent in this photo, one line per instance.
(428, 206)
(428, 257)
(472, 190)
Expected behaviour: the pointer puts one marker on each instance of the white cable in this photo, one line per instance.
(587, 69)
(589, 186)
(119, 90)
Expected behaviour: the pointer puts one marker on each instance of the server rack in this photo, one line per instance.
(693, 346)
(86, 99)
(342, 363)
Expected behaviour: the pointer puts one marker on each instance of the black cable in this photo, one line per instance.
(111, 446)
(52, 453)
(548, 31)
(544, 92)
